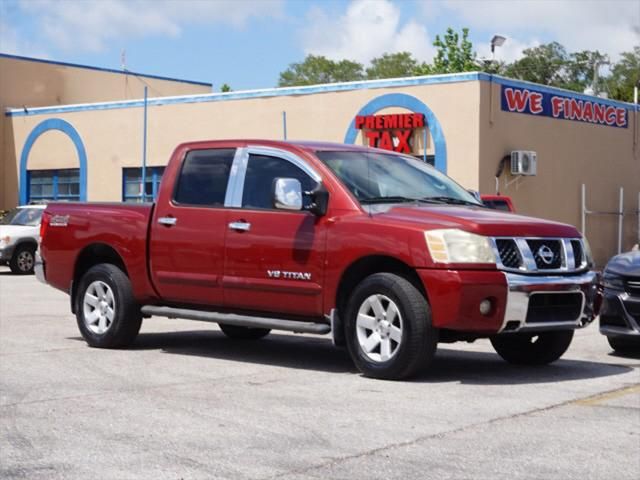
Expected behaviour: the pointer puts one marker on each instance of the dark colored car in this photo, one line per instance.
(620, 313)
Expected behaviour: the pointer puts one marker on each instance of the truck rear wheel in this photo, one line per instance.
(532, 348)
(107, 314)
(243, 333)
(388, 328)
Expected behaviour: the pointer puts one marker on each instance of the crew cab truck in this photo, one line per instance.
(379, 249)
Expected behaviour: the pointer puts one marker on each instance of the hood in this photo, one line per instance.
(627, 264)
(18, 231)
(483, 221)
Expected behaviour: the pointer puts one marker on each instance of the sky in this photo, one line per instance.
(247, 43)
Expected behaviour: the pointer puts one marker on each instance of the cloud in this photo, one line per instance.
(12, 43)
(611, 27)
(366, 30)
(91, 24)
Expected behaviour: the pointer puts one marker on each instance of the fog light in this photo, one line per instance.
(485, 307)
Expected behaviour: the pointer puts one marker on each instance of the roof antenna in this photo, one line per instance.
(123, 60)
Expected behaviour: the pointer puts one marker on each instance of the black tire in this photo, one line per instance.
(243, 333)
(418, 338)
(624, 345)
(122, 330)
(532, 348)
(23, 260)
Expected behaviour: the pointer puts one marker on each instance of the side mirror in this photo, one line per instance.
(319, 200)
(287, 194)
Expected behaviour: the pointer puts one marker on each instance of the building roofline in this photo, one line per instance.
(102, 69)
(308, 90)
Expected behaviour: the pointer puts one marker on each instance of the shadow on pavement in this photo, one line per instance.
(313, 353)
(634, 355)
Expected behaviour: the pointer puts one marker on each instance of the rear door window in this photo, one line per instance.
(204, 177)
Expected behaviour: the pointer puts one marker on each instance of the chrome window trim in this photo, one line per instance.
(239, 170)
(235, 187)
(529, 262)
(285, 155)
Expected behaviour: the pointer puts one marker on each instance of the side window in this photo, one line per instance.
(262, 171)
(204, 177)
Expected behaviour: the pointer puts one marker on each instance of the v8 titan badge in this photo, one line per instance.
(289, 275)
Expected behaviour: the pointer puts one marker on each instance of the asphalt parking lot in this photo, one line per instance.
(187, 403)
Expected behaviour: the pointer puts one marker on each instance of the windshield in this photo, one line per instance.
(29, 217)
(378, 177)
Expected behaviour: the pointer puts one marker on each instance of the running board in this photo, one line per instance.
(238, 320)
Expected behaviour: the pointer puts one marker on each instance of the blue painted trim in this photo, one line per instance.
(403, 100)
(66, 128)
(307, 90)
(262, 93)
(102, 69)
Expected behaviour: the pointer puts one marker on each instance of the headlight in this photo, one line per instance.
(457, 246)
(613, 281)
(4, 241)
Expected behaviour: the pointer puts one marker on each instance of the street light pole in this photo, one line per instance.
(496, 41)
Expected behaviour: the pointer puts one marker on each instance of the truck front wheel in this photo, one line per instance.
(388, 328)
(107, 314)
(532, 348)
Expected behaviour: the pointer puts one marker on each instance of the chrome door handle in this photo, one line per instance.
(240, 226)
(168, 221)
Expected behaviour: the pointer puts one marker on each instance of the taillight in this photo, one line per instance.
(44, 224)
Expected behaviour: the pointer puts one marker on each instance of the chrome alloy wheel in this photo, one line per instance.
(379, 328)
(25, 261)
(99, 307)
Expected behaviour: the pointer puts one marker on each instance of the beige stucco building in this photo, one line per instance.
(472, 121)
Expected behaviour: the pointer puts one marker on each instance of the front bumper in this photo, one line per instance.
(620, 315)
(455, 297)
(523, 288)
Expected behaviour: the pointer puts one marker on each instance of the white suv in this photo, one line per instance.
(19, 237)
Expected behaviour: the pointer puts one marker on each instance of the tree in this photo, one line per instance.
(392, 65)
(453, 54)
(317, 69)
(543, 64)
(580, 71)
(225, 88)
(624, 76)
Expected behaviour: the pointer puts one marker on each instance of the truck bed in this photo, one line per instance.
(79, 228)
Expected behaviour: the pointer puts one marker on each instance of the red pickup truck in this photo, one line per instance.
(379, 249)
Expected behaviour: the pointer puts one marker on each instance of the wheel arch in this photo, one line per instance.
(365, 266)
(90, 256)
(30, 241)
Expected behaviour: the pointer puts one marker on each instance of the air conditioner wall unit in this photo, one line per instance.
(524, 162)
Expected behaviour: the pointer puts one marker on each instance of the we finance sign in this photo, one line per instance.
(534, 102)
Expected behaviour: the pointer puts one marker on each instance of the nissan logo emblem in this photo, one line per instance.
(546, 254)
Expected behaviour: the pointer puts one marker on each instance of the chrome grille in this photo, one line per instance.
(509, 253)
(546, 255)
(632, 285)
(577, 252)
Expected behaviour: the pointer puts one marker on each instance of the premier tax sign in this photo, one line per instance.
(535, 102)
